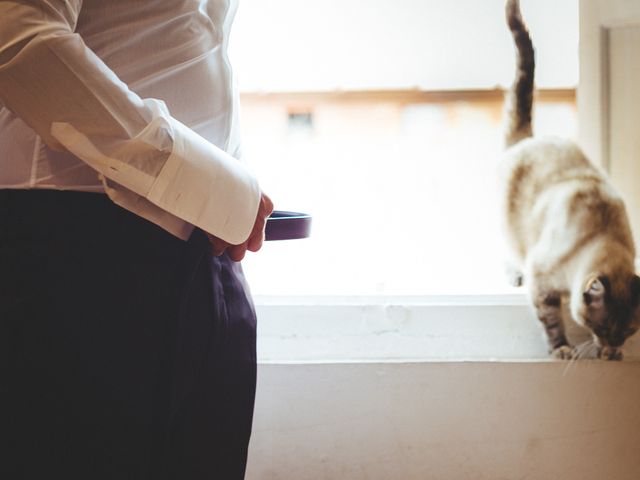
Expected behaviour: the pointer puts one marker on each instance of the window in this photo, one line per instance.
(301, 121)
(384, 121)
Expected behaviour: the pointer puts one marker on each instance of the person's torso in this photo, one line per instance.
(174, 51)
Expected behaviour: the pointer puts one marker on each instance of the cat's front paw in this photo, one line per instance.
(516, 279)
(514, 276)
(564, 352)
(611, 353)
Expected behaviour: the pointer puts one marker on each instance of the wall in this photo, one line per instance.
(608, 98)
(624, 153)
(447, 421)
(377, 389)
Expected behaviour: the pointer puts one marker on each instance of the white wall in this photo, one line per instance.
(381, 44)
(383, 389)
(447, 421)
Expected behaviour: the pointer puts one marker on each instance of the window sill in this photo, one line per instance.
(450, 328)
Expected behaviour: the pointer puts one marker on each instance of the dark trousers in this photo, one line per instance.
(126, 353)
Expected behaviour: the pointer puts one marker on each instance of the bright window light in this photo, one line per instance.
(381, 119)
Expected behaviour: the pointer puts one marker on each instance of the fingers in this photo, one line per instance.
(266, 206)
(217, 250)
(237, 252)
(218, 246)
(255, 240)
(254, 243)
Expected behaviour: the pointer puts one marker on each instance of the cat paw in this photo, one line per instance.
(565, 352)
(610, 353)
(515, 278)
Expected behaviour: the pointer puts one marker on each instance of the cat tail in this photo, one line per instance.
(520, 96)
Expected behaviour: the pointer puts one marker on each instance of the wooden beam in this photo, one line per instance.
(402, 96)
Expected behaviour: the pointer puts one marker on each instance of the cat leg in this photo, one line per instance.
(512, 262)
(548, 306)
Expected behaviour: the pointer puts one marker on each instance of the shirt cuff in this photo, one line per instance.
(206, 187)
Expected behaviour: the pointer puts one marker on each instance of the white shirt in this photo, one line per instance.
(133, 98)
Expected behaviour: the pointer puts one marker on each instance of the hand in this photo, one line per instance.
(256, 237)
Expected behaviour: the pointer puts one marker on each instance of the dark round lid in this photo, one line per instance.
(283, 225)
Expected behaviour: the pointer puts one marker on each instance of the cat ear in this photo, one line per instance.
(635, 290)
(596, 292)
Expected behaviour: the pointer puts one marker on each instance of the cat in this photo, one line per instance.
(566, 225)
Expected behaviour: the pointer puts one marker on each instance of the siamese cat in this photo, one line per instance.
(566, 225)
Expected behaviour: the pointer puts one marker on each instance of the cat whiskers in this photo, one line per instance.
(585, 351)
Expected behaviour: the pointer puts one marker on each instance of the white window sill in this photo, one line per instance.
(402, 329)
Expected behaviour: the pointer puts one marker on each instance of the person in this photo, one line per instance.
(127, 329)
